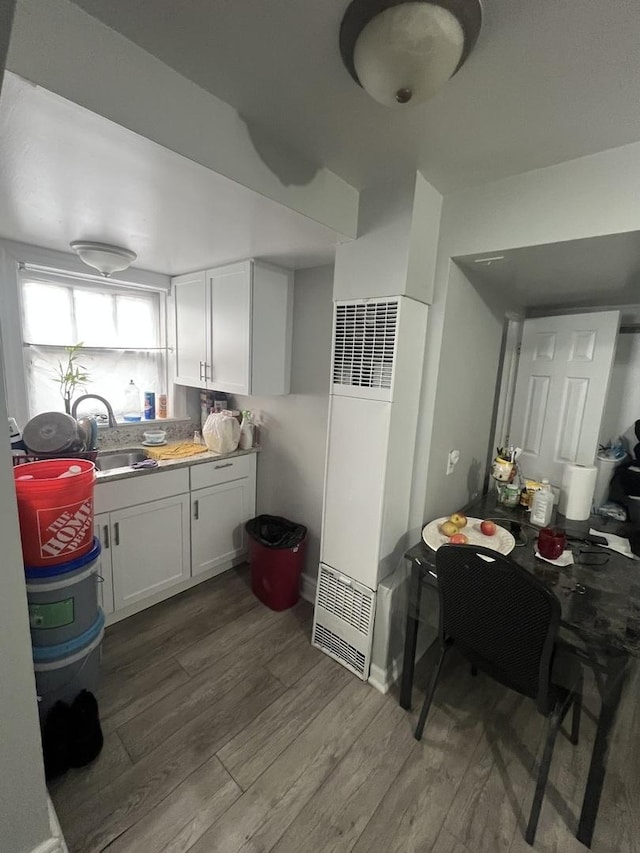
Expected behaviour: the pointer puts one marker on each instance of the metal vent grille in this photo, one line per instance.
(364, 346)
(344, 601)
(338, 647)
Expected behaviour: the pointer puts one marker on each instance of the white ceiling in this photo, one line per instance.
(68, 174)
(599, 271)
(548, 81)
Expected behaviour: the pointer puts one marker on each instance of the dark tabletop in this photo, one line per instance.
(600, 602)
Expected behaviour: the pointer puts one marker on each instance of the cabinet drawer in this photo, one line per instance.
(221, 471)
(132, 491)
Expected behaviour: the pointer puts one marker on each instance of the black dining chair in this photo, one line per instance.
(505, 622)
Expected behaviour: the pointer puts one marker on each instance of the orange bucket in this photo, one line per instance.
(56, 513)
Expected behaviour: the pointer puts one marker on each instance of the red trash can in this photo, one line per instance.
(277, 549)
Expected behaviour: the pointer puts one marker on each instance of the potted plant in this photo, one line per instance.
(71, 376)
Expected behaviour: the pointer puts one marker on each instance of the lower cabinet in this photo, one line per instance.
(105, 579)
(148, 547)
(218, 516)
(160, 531)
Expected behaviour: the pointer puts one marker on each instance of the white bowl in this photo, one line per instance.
(154, 436)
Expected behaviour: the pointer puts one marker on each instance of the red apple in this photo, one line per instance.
(458, 539)
(488, 528)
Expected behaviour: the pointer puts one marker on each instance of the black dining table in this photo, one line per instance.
(600, 599)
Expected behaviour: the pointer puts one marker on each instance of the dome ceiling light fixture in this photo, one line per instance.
(103, 257)
(402, 53)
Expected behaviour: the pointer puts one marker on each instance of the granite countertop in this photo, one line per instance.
(600, 602)
(163, 465)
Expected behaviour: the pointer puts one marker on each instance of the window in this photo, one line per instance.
(120, 329)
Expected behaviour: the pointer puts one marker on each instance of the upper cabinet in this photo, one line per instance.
(233, 329)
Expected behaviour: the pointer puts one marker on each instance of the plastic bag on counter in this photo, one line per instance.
(221, 432)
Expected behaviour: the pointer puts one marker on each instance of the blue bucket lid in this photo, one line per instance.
(45, 654)
(37, 572)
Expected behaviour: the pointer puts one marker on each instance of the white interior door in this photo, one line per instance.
(561, 390)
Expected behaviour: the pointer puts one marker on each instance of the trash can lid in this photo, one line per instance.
(274, 531)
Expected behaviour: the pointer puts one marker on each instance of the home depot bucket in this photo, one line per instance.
(56, 513)
(63, 599)
(62, 671)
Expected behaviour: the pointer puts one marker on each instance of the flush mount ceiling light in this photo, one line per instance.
(103, 257)
(403, 52)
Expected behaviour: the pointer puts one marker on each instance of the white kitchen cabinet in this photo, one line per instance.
(218, 517)
(105, 581)
(191, 309)
(233, 327)
(149, 549)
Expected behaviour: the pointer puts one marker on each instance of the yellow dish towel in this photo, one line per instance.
(175, 451)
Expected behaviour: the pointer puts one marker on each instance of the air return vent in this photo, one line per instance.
(364, 348)
(343, 620)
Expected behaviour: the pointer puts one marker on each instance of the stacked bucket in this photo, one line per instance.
(62, 563)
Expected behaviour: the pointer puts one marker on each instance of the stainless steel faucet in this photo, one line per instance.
(112, 418)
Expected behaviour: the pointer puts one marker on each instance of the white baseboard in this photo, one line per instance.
(384, 679)
(308, 588)
(55, 844)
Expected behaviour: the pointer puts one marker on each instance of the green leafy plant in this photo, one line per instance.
(71, 376)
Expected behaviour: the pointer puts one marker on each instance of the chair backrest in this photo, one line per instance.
(502, 618)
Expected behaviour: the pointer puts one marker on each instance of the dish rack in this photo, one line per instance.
(88, 455)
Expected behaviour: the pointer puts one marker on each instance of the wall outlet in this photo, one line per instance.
(452, 460)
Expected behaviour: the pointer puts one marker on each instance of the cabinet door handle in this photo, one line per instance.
(116, 533)
(226, 465)
(106, 536)
(196, 509)
(200, 377)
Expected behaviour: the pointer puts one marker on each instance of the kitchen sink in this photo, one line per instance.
(108, 460)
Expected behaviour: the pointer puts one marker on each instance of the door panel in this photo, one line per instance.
(355, 487)
(105, 586)
(149, 548)
(230, 329)
(191, 329)
(561, 390)
(218, 517)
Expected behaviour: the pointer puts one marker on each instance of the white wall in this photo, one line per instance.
(101, 70)
(24, 819)
(622, 409)
(586, 197)
(294, 431)
(395, 253)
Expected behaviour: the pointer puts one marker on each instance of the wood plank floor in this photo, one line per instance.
(225, 732)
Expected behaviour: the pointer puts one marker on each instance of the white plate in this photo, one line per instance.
(154, 443)
(502, 541)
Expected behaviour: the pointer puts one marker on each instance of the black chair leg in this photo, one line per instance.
(429, 697)
(543, 774)
(575, 721)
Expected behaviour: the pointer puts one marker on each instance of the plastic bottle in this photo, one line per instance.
(542, 506)
(246, 431)
(132, 405)
(18, 447)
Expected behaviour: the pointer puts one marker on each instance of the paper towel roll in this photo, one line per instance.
(576, 495)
